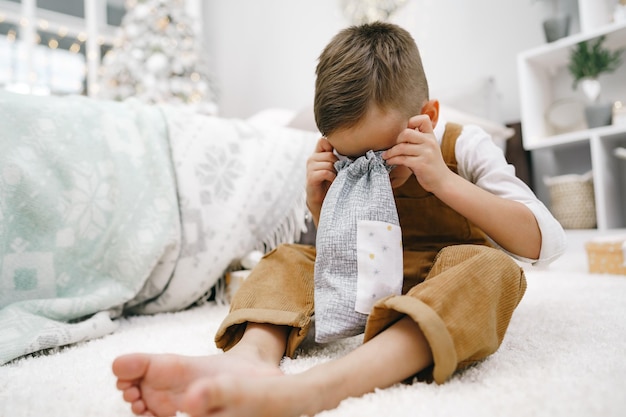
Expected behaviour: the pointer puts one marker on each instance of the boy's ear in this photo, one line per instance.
(431, 109)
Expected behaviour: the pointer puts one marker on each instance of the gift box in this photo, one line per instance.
(234, 279)
(606, 255)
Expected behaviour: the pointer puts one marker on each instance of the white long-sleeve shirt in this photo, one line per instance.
(482, 162)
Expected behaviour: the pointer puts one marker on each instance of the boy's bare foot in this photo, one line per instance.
(272, 396)
(156, 384)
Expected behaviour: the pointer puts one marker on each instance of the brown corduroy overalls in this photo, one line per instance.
(457, 288)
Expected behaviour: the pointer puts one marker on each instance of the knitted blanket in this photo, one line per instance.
(108, 208)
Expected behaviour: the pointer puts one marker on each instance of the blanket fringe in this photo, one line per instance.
(289, 230)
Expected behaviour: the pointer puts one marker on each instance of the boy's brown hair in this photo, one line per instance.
(376, 63)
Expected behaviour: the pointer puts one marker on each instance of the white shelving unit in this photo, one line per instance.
(544, 80)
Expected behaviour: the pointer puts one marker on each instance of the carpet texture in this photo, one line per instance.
(564, 355)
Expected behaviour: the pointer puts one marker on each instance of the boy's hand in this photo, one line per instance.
(417, 149)
(320, 173)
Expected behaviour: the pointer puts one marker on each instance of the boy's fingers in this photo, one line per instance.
(323, 145)
(326, 175)
(421, 123)
(325, 164)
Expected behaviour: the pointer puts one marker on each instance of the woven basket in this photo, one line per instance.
(572, 200)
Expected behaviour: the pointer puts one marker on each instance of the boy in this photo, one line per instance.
(460, 287)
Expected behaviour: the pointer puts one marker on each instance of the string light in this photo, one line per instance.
(45, 34)
(163, 22)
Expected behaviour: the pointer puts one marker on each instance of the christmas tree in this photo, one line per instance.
(367, 11)
(157, 58)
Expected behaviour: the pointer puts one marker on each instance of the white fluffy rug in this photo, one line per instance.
(564, 355)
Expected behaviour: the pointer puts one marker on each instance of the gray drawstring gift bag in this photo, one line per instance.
(359, 247)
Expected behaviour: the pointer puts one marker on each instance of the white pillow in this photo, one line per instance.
(499, 133)
(305, 120)
(272, 117)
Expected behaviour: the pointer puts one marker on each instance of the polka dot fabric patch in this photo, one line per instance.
(379, 263)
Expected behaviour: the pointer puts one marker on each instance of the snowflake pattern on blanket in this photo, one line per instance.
(88, 208)
(109, 208)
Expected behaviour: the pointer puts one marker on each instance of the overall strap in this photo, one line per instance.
(448, 142)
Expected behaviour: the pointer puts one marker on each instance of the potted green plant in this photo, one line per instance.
(587, 61)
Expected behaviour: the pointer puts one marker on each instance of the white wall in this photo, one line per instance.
(264, 52)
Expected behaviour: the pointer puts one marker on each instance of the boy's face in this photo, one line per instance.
(377, 131)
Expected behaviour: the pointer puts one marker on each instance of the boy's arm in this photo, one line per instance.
(509, 223)
(320, 173)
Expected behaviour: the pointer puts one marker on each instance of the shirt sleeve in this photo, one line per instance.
(482, 162)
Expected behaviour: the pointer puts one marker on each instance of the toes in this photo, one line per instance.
(131, 394)
(124, 385)
(139, 408)
(131, 367)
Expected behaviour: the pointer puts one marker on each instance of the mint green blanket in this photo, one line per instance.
(109, 208)
(88, 208)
